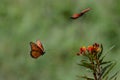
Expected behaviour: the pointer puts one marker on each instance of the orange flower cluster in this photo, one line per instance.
(95, 48)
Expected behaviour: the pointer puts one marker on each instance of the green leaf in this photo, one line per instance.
(106, 78)
(84, 61)
(104, 69)
(86, 64)
(109, 49)
(104, 53)
(114, 76)
(106, 62)
(110, 68)
(99, 55)
(87, 78)
(101, 60)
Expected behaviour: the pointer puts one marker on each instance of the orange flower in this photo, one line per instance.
(94, 48)
(90, 48)
(82, 50)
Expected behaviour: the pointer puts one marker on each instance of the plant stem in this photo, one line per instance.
(94, 67)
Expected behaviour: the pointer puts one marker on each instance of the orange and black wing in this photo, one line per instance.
(39, 44)
(75, 16)
(85, 10)
(35, 50)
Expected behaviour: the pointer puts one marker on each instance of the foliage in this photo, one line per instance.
(96, 63)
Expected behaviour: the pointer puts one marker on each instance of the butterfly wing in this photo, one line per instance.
(39, 44)
(35, 50)
(85, 10)
(35, 54)
(75, 16)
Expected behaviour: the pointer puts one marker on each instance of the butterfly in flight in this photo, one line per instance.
(75, 16)
(36, 49)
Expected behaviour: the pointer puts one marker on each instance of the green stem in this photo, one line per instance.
(98, 67)
(94, 67)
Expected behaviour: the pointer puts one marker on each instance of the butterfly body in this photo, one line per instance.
(37, 49)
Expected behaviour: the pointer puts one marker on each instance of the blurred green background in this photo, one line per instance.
(23, 21)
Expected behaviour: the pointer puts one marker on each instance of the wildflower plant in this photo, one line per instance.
(95, 62)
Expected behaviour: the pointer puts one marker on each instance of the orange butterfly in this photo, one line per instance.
(36, 49)
(75, 16)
